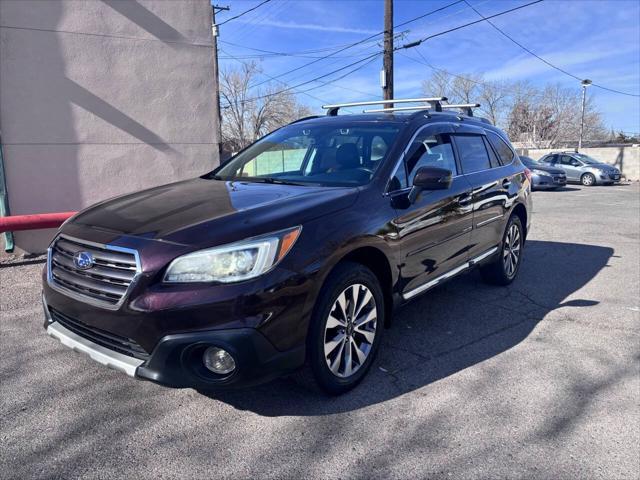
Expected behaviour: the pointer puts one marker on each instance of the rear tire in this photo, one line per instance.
(588, 180)
(504, 268)
(345, 330)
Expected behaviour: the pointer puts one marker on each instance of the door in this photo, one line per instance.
(571, 166)
(432, 232)
(493, 187)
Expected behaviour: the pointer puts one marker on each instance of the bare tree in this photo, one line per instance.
(469, 89)
(248, 114)
(465, 89)
(493, 98)
(457, 88)
(551, 117)
(438, 84)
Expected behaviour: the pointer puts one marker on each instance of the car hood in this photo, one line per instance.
(212, 212)
(544, 168)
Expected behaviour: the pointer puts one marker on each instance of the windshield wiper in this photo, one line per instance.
(277, 181)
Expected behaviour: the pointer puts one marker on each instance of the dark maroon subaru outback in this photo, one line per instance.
(294, 253)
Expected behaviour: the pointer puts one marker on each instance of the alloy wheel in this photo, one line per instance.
(588, 180)
(511, 250)
(350, 330)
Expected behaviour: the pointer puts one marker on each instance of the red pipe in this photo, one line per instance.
(14, 223)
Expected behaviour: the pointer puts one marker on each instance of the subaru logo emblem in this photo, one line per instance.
(83, 260)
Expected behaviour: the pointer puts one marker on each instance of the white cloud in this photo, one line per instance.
(315, 26)
(528, 66)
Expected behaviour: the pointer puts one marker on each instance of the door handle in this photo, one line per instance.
(506, 183)
(465, 200)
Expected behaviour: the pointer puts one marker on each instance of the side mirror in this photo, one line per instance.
(575, 163)
(430, 178)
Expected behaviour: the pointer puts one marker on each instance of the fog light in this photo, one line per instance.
(218, 361)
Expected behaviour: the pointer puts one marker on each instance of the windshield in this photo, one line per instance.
(586, 159)
(327, 155)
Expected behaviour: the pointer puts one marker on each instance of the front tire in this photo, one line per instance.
(588, 180)
(346, 328)
(504, 269)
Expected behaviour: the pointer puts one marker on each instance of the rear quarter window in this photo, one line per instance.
(505, 154)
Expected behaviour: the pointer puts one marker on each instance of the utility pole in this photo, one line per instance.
(387, 63)
(216, 77)
(585, 83)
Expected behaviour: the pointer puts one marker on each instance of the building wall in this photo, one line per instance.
(627, 159)
(100, 98)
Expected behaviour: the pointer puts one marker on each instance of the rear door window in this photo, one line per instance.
(473, 153)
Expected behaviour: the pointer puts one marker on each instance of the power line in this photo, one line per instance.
(542, 59)
(370, 58)
(305, 92)
(426, 14)
(427, 63)
(418, 42)
(286, 54)
(249, 24)
(244, 13)
(268, 76)
(298, 54)
(363, 40)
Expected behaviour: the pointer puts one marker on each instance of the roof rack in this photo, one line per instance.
(434, 102)
(397, 109)
(466, 108)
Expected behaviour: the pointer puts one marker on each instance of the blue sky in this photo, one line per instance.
(595, 39)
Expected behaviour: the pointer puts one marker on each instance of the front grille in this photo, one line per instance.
(123, 345)
(105, 283)
(559, 178)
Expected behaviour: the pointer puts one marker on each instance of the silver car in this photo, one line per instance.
(543, 176)
(582, 168)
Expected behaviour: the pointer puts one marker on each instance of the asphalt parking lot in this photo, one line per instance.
(540, 379)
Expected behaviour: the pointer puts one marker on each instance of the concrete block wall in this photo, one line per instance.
(100, 98)
(627, 159)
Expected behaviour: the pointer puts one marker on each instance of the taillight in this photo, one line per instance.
(527, 173)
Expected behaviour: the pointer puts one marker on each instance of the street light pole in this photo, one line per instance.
(585, 83)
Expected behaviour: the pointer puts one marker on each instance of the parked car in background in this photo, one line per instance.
(582, 168)
(294, 252)
(543, 176)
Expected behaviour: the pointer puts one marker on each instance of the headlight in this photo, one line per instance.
(539, 172)
(234, 262)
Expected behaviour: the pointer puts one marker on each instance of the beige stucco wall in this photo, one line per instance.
(100, 98)
(627, 159)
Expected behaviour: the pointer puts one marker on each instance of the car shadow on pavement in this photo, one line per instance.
(559, 189)
(447, 330)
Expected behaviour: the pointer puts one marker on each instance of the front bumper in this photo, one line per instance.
(176, 360)
(540, 182)
(607, 178)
